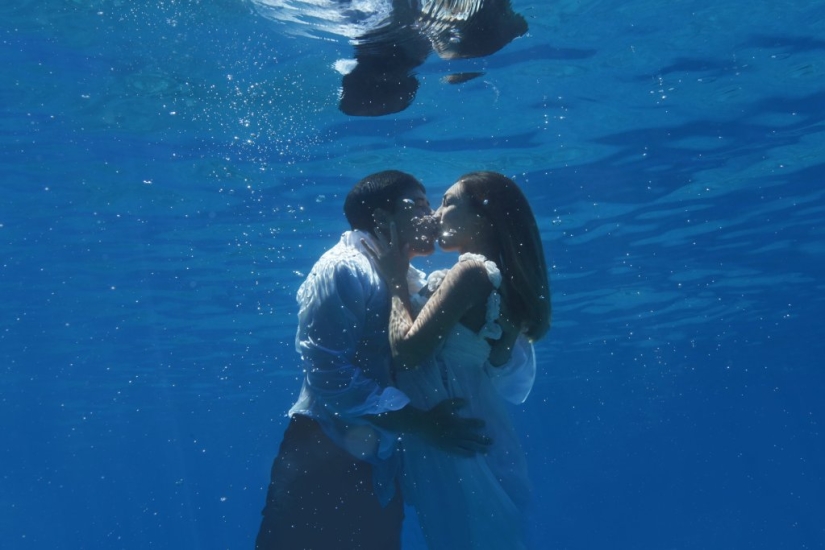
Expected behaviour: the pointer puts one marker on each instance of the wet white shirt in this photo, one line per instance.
(342, 338)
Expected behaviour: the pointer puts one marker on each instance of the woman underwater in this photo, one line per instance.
(457, 345)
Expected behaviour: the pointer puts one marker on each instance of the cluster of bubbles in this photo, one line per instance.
(427, 227)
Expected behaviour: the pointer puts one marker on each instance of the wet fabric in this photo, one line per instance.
(478, 502)
(321, 497)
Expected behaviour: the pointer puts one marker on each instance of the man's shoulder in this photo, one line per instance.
(343, 264)
(342, 257)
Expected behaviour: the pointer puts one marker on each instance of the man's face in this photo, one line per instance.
(415, 223)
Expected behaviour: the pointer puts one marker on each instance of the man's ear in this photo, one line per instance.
(381, 221)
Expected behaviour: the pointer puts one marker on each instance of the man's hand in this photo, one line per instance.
(390, 258)
(440, 427)
(451, 433)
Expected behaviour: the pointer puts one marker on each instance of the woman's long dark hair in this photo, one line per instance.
(522, 264)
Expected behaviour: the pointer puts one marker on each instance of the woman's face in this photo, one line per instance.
(459, 223)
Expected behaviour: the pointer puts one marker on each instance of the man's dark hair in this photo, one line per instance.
(379, 190)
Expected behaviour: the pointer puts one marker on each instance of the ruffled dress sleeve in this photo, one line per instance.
(514, 380)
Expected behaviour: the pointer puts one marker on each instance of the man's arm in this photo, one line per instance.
(440, 427)
(330, 328)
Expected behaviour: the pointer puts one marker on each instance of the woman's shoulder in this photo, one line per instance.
(467, 275)
(469, 268)
(481, 263)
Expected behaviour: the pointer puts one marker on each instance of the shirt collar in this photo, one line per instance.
(416, 279)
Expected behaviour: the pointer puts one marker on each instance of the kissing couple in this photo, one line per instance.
(407, 378)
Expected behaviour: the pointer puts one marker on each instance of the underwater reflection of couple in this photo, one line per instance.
(393, 37)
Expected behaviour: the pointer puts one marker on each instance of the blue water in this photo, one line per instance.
(170, 171)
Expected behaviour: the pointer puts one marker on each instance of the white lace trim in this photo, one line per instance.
(435, 279)
(492, 269)
(491, 328)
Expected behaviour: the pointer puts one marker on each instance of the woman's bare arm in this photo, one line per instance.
(412, 340)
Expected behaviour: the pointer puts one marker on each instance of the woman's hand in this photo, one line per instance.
(505, 322)
(503, 347)
(390, 258)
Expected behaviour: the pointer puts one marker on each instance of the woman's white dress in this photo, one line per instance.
(466, 503)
